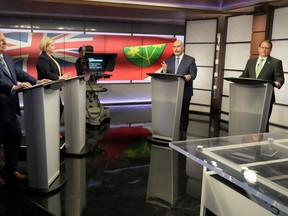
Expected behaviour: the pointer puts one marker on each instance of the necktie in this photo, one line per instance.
(5, 65)
(259, 67)
(177, 64)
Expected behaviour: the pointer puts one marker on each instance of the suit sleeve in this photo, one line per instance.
(5, 87)
(23, 76)
(170, 66)
(245, 73)
(278, 73)
(193, 69)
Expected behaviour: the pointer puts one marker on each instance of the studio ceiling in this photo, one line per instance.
(158, 11)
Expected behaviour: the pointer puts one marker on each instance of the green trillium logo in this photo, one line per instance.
(144, 56)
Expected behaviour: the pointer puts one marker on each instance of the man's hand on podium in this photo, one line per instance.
(27, 85)
(21, 86)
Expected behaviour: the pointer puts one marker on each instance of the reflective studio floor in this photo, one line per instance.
(111, 179)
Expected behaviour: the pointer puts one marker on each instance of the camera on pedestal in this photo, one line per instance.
(96, 64)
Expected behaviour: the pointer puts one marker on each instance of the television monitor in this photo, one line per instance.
(100, 62)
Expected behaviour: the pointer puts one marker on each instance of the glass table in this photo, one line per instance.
(257, 164)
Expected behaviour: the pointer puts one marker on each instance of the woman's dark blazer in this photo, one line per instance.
(47, 68)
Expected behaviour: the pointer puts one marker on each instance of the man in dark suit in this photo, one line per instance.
(185, 65)
(267, 68)
(10, 130)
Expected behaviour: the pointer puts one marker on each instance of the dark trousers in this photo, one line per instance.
(10, 137)
(184, 119)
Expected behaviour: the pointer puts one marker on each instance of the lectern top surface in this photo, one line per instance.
(55, 85)
(258, 163)
(165, 75)
(247, 81)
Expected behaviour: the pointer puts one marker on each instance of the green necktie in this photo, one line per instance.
(259, 67)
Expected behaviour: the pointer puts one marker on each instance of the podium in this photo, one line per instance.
(42, 123)
(167, 97)
(249, 105)
(75, 115)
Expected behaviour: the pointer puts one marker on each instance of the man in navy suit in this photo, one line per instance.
(271, 70)
(185, 65)
(10, 130)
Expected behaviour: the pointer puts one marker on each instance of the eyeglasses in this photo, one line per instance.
(266, 48)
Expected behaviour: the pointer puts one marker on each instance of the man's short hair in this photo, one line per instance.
(267, 41)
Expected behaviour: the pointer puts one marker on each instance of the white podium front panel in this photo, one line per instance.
(75, 115)
(42, 123)
(167, 97)
(249, 105)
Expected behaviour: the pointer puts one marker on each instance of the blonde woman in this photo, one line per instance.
(47, 66)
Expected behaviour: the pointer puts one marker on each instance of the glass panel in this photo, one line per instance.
(237, 158)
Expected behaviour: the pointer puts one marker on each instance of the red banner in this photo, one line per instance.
(137, 55)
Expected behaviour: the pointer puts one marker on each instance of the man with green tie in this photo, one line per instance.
(265, 67)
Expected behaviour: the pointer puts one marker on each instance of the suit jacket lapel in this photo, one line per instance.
(13, 78)
(254, 62)
(265, 66)
(181, 63)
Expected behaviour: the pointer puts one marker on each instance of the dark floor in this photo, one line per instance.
(112, 178)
